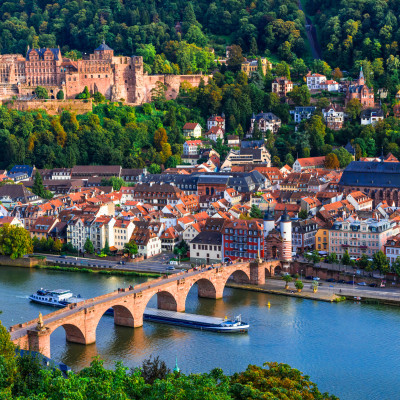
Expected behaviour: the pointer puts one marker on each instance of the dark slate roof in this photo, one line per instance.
(349, 147)
(17, 193)
(267, 116)
(26, 169)
(213, 179)
(372, 174)
(247, 144)
(208, 237)
(372, 112)
(56, 53)
(103, 47)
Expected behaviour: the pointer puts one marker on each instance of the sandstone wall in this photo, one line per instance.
(53, 107)
(19, 262)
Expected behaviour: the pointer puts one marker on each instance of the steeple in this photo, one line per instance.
(361, 79)
(285, 216)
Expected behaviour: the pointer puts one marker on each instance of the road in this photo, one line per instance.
(157, 264)
(342, 289)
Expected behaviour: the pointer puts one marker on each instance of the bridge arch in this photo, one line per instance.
(73, 333)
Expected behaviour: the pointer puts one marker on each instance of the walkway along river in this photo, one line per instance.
(349, 349)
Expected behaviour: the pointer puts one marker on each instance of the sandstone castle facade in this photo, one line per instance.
(116, 77)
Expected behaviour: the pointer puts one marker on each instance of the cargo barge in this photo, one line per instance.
(202, 322)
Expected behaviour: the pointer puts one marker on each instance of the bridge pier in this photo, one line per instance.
(165, 301)
(257, 272)
(39, 341)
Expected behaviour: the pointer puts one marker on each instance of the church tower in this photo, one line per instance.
(361, 80)
(286, 233)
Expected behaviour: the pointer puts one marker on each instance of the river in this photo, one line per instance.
(348, 349)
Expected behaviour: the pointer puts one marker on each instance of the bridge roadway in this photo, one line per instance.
(80, 320)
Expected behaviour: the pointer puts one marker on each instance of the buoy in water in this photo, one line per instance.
(269, 304)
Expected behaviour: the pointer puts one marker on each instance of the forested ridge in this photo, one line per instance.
(360, 30)
(258, 26)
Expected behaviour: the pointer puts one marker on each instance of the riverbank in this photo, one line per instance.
(327, 297)
(96, 270)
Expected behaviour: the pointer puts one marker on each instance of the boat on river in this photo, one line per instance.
(56, 298)
(202, 322)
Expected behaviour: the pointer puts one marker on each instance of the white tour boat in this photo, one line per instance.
(55, 298)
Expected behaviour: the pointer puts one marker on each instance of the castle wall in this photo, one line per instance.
(117, 78)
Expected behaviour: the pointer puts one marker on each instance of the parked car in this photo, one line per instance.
(361, 284)
(309, 278)
(331, 280)
(170, 268)
(350, 282)
(373, 285)
(63, 256)
(316, 278)
(210, 268)
(341, 281)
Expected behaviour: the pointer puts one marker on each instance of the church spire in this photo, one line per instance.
(361, 79)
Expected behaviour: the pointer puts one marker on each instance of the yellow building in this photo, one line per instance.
(250, 66)
(322, 240)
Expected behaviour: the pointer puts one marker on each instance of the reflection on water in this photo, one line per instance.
(350, 350)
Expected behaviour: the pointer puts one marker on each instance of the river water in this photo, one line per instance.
(348, 349)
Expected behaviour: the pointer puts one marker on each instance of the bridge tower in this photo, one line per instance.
(286, 233)
(269, 222)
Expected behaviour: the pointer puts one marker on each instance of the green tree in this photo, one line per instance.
(299, 285)
(255, 212)
(303, 214)
(114, 181)
(106, 249)
(346, 258)
(41, 92)
(344, 157)
(88, 247)
(287, 279)
(57, 246)
(396, 266)
(15, 241)
(154, 169)
(131, 248)
(332, 258)
(38, 187)
(60, 95)
(353, 109)
(380, 262)
(300, 95)
(7, 363)
(235, 58)
(364, 262)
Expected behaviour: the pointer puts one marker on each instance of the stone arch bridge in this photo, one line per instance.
(80, 320)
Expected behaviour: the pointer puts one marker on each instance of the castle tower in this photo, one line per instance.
(286, 233)
(361, 80)
(269, 222)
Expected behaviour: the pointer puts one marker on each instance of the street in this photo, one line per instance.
(157, 264)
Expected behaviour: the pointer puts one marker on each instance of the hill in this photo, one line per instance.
(257, 26)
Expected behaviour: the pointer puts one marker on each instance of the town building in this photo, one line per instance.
(360, 91)
(378, 180)
(148, 243)
(360, 201)
(233, 141)
(250, 66)
(322, 240)
(308, 163)
(215, 133)
(265, 122)
(314, 81)
(216, 120)
(192, 129)
(282, 86)
(371, 116)
(360, 237)
(301, 113)
(245, 156)
(334, 117)
(392, 248)
(303, 235)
